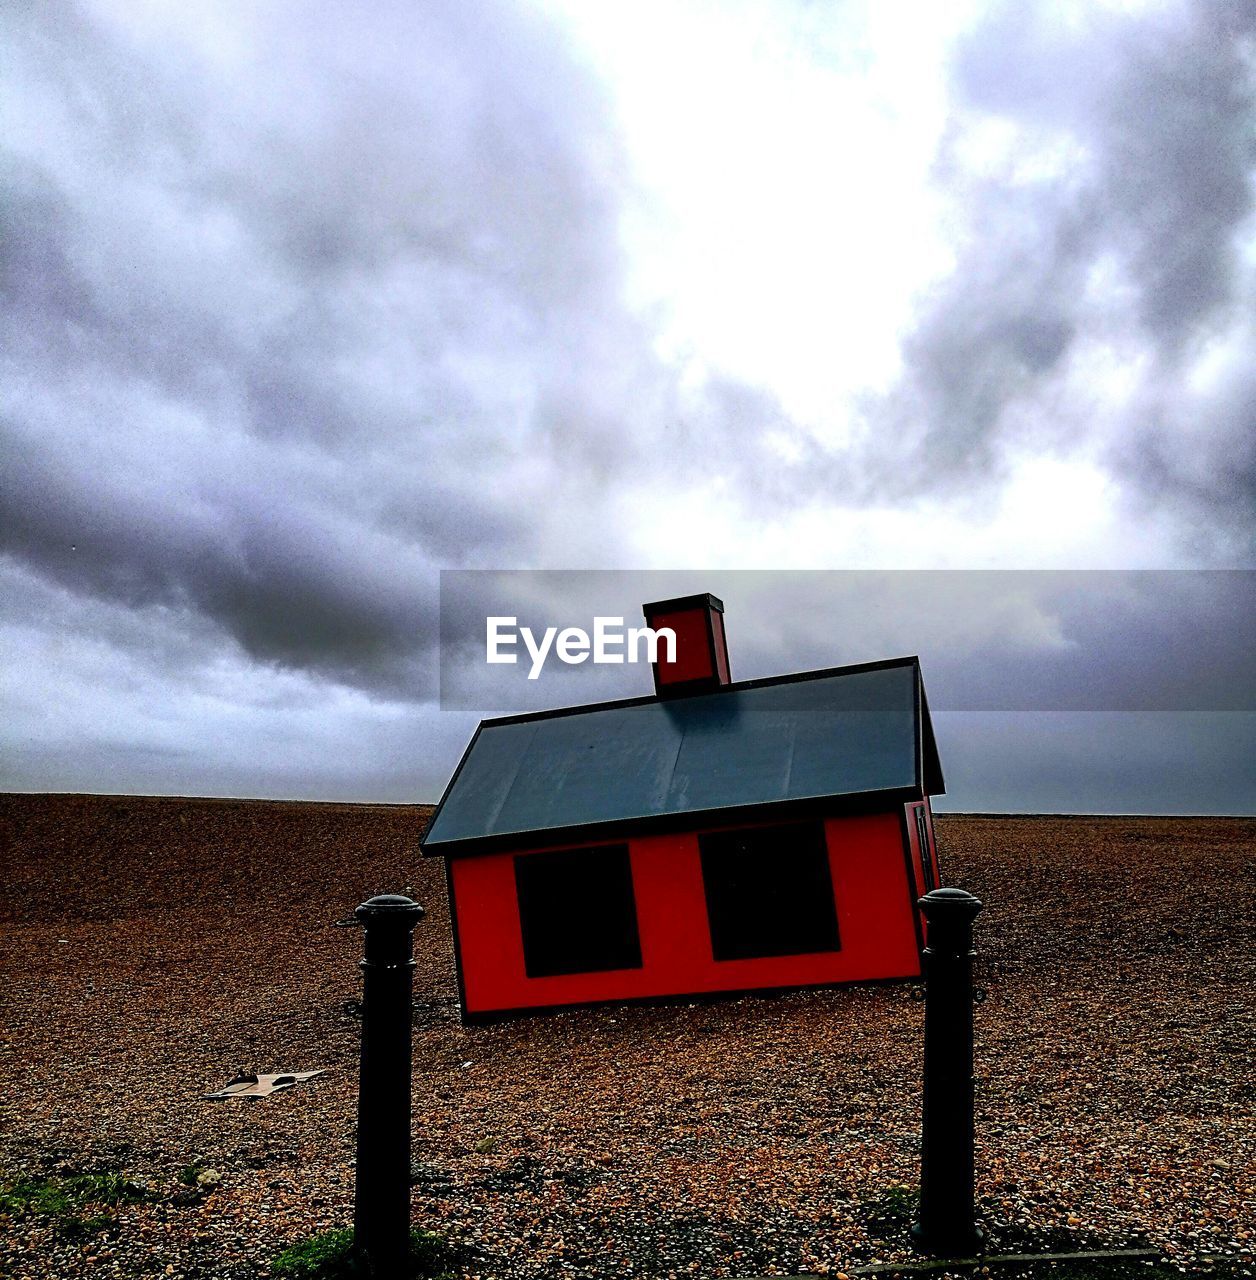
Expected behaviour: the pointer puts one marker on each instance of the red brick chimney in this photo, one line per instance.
(701, 649)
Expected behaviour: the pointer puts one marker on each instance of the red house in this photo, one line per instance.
(715, 837)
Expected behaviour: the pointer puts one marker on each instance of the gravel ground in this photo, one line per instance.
(152, 948)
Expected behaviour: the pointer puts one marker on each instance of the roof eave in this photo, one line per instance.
(931, 780)
(662, 823)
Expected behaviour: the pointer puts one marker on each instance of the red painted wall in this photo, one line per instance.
(693, 646)
(874, 913)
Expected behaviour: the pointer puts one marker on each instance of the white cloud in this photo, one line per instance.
(304, 304)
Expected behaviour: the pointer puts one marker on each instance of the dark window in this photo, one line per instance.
(926, 854)
(769, 891)
(577, 911)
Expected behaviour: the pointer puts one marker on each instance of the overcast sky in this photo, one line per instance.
(306, 303)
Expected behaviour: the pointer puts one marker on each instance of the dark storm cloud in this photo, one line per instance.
(1162, 106)
(286, 584)
(1100, 174)
(989, 640)
(348, 302)
(102, 696)
(289, 326)
(1065, 691)
(1066, 762)
(302, 305)
(1113, 218)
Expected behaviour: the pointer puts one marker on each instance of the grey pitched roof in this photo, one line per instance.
(846, 732)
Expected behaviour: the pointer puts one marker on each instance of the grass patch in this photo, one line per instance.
(51, 1197)
(330, 1256)
(889, 1215)
(62, 1201)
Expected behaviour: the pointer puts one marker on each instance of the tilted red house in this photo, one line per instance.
(716, 837)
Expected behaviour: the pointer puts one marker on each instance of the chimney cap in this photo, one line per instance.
(704, 600)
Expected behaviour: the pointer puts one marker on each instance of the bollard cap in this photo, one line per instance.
(392, 907)
(950, 904)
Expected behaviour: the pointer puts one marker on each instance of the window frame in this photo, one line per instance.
(926, 849)
(725, 904)
(541, 957)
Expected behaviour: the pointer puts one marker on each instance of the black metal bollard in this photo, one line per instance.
(381, 1211)
(946, 1225)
